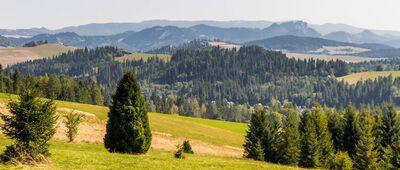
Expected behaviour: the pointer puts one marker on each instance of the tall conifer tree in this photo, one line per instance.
(128, 129)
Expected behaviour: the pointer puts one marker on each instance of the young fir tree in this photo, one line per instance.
(342, 161)
(128, 129)
(257, 127)
(30, 125)
(350, 135)
(366, 155)
(324, 137)
(309, 156)
(290, 147)
(72, 120)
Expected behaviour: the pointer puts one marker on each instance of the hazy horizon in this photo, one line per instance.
(58, 14)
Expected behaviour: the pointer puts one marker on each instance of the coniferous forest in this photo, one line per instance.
(218, 83)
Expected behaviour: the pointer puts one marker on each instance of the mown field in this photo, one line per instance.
(353, 78)
(144, 56)
(10, 56)
(217, 144)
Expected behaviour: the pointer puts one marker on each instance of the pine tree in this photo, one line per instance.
(309, 156)
(16, 82)
(254, 136)
(390, 126)
(350, 135)
(290, 140)
(53, 87)
(366, 156)
(128, 129)
(378, 132)
(31, 125)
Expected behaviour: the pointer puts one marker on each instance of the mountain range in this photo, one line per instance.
(159, 36)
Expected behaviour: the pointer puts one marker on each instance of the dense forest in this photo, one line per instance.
(204, 77)
(327, 138)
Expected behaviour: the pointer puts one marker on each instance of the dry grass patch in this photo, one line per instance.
(353, 78)
(10, 56)
(224, 45)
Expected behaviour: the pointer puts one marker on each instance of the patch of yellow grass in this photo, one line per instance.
(10, 56)
(144, 56)
(224, 45)
(353, 78)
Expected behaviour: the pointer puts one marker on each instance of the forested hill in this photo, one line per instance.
(250, 75)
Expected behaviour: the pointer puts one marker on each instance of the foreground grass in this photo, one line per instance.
(95, 156)
(353, 78)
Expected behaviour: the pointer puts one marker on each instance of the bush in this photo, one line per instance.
(71, 122)
(342, 161)
(31, 125)
(179, 153)
(187, 148)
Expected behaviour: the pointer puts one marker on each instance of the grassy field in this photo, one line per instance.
(346, 58)
(353, 78)
(95, 156)
(144, 56)
(10, 56)
(217, 144)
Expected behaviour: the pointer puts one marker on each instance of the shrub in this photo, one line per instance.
(179, 153)
(187, 148)
(72, 120)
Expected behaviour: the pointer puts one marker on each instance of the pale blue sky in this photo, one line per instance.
(372, 14)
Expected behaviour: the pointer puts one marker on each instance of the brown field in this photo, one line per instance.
(349, 59)
(10, 56)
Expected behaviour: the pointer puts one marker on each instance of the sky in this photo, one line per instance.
(54, 14)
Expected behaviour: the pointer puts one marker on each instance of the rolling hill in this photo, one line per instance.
(214, 142)
(10, 56)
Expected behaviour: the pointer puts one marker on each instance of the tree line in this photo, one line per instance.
(54, 87)
(327, 138)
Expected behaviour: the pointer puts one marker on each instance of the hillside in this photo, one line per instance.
(143, 56)
(214, 142)
(353, 78)
(10, 56)
(5, 42)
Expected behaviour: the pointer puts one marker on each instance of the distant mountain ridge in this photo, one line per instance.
(156, 37)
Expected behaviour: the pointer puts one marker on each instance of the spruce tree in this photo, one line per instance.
(378, 132)
(366, 156)
(309, 156)
(390, 126)
(342, 161)
(350, 135)
(271, 140)
(290, 146)
(324, 137)
(335, 126)
(128, 129)
(255, 133)
(30, 125)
